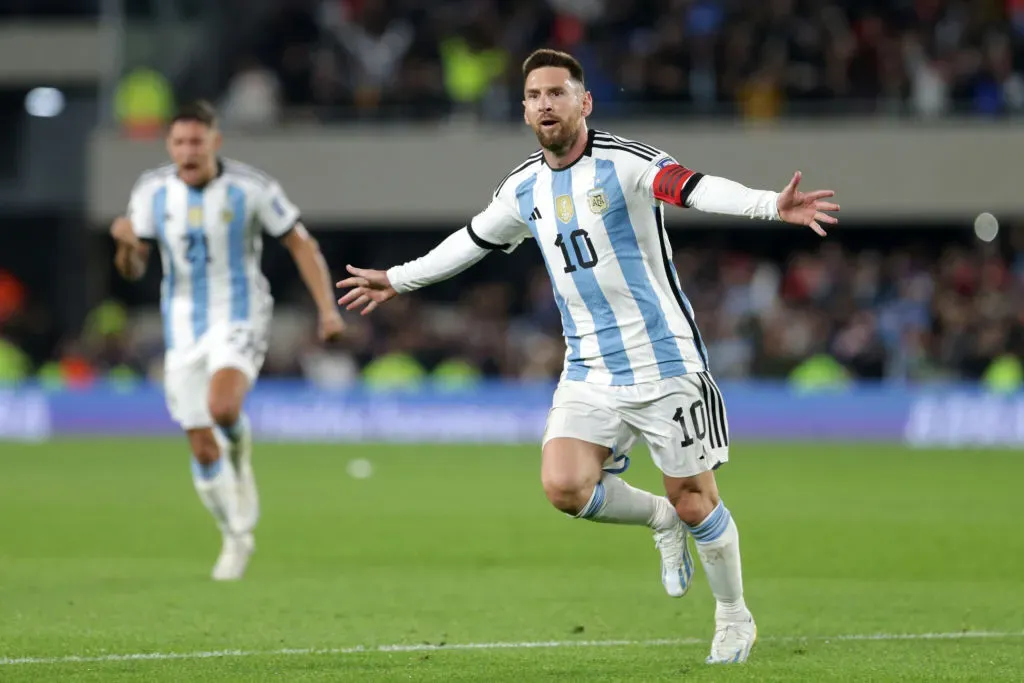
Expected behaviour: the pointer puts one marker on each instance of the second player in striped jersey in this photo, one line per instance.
(207, 215)
(635, 364)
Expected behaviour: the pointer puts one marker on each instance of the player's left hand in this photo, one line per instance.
(370, 288)
(331, 326)
(806, 208)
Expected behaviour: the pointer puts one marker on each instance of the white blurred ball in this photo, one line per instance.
(360, 468)
(986, 227)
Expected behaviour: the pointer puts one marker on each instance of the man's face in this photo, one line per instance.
(193, 147)
(554, 106)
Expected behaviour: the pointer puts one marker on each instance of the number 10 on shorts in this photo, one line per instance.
(697, 417)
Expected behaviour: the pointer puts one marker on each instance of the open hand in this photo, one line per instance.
(806, 208)
(370, 288)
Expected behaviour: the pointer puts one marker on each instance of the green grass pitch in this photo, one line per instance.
(105, 552)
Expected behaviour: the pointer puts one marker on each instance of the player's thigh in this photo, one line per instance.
(240, 346)
(228, 388)
(186, 387)
(684, 423)
(582, 432)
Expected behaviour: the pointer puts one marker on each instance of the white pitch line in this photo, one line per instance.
(526, 645)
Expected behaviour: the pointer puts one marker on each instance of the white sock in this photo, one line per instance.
(616, 502)
(718, 544)
(217, 488)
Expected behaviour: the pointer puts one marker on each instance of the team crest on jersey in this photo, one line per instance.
(564, 208)
(227, 215)
(195, 216)
(597, 200)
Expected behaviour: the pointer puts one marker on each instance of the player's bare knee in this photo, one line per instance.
(569, 471)
(566, 491)
(225, 412)
(693, 507)
(694, 498)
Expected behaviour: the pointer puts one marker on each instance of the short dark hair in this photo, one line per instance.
(200, 110)
(539, 59)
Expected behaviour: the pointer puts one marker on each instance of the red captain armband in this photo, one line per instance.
(674, 183)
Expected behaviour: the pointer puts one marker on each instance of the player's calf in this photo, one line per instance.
(215, 480)
(709, 521)
(228, 387)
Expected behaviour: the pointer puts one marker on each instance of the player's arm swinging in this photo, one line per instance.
(132, 253)
(305, 251)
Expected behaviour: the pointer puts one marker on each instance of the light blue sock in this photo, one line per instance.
(206, 471)
(217, 488)
(616, 502)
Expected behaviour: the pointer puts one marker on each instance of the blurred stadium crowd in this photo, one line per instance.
(335, 59)
(820, 316)
(830, 312)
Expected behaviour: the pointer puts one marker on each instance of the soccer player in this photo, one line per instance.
(635, 365)
(205, 214)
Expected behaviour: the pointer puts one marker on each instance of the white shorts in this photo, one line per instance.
(187, 372)
(682, 420)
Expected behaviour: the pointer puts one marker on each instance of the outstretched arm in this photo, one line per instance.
(675, 184)
(317, 277)
(456, 253)
(499, 227)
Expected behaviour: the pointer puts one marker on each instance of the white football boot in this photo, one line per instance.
(676, 560)
(732, 641)
(234, 557)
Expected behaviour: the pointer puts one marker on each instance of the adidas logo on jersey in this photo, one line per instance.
(535, 215)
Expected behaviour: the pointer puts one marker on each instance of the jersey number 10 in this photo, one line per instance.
(577, 236)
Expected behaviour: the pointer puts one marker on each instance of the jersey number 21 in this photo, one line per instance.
(196, 251)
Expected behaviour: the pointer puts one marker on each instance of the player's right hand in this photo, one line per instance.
(121, 230)
(370, 288)
(129, 262)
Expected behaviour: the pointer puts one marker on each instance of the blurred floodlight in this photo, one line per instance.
(986, 227)
(44, 102)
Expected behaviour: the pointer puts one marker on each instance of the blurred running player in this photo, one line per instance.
(206, 215)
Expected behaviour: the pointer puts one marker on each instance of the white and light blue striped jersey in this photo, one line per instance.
(210, 243)
(601, 231)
